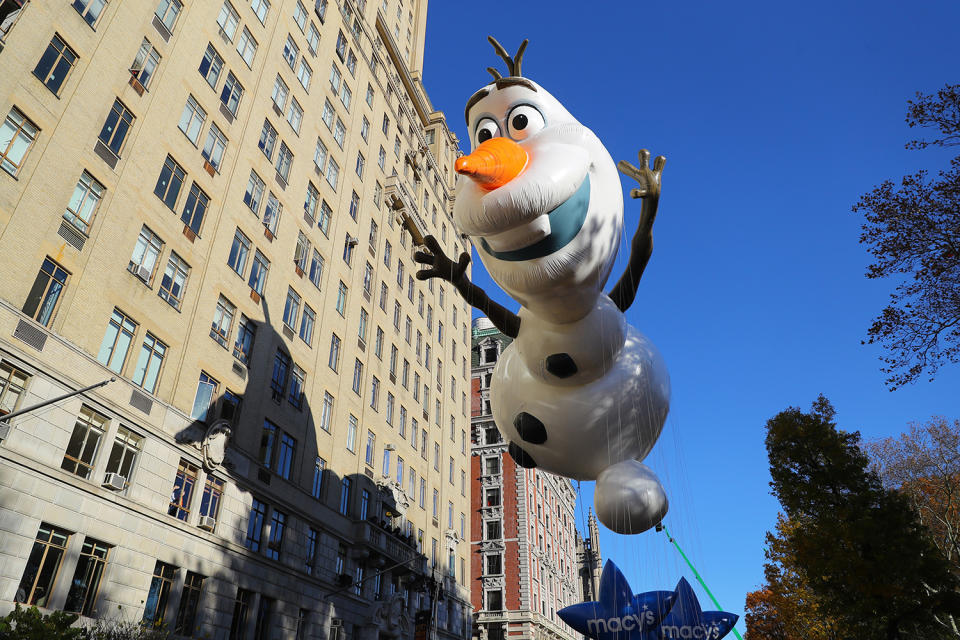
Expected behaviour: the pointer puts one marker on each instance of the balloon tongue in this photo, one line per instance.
(494, 163)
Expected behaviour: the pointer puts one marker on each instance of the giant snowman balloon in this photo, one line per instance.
(579, 392)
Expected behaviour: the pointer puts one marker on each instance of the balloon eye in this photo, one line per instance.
(486, 129)
(524, 121)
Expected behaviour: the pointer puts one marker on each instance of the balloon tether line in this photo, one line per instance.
(697, 575)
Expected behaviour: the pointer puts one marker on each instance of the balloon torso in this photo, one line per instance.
(598, 386)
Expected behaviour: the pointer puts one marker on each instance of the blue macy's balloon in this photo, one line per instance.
(653, 615)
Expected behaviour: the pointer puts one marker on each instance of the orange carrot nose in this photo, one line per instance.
(494, 163)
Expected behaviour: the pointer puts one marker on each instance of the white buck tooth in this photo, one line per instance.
(520, 236)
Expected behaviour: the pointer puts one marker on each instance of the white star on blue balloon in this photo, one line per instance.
(654, 615)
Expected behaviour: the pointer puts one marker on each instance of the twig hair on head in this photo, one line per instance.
(513, 69)
(513, 62)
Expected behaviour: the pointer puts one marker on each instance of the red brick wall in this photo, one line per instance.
(475, 403)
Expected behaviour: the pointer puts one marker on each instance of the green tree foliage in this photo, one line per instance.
(786, 608)
(912, 231)
(859, 547)
(924, 464)
(30, 624)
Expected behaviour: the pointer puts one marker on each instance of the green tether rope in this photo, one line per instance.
(699, 579)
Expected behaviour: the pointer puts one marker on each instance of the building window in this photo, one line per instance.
(491, 497)
(357, 376)
(334, 360)
(254, 193)
(491, 466)
(243, 348)
(156, 604)
(116, 341)
(211, 66)
(360, 165)
(174, 280)
(345, 496)
(41, 304)
(16, 137)
(278, 381)
(205, 397)
(84, 203)
(170, 183)
(145, 64)
(271, 212)
(168, 11)
(342, 298)
(115, 129)
(247, 47)
(214, 147)
(264, 622)
(123, 455)
(182, 494)
(285, 157)
(371, 448)
(260, 9)
(313, 542)
(43, 565)
(258, 273)
(13, 383)
(241, 609)
(364, 504)
(291, 309)
(318, 472)
(84, 443)
(316, 268)
(89, 10)
(268, 139)
(143, 262)
(86, 577)
(295, 116)
(327, 115)
(306, 324)
(210, 500)
(278, 520)
(192, 119)
(149, 363)
(55, 64)
(258, 517)
(189, 603)
(232, 93)
(290, 52)
(298, 381)
(352, 434)
(313, 39)
(228, 20)
(333, 173)
(222, 321)
(195, 208)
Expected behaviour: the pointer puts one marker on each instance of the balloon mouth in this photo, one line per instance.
(565, 220)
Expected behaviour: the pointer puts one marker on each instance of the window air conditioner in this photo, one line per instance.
(114, 481)
(207, 523)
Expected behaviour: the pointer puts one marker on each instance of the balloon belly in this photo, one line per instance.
(589, 427)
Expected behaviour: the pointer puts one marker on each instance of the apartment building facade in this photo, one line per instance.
(525, 548)
(200, 202)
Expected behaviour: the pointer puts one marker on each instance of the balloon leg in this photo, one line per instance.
(629, 497)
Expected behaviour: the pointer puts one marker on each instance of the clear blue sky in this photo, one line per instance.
(774, 118)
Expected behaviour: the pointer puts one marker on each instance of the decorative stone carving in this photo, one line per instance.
(400, 500)
(214, 446)
(391, 620)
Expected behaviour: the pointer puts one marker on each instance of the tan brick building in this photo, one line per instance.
(199, 199)
(526, 552)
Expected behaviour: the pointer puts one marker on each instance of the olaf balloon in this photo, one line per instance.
(579, 392)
